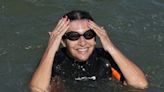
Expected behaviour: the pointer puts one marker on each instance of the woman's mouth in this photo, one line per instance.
(82, 49)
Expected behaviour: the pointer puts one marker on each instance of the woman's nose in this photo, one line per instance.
(82, 41)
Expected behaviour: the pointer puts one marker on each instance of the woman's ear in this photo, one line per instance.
(63, 43)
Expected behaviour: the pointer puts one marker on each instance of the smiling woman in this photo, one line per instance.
(81, 48)
(79, 59)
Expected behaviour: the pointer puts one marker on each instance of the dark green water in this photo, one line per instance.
(135, 26)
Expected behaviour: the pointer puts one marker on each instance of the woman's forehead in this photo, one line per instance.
(78, 26)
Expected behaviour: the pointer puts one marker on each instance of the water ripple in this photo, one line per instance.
(158, 3)
(3, 51)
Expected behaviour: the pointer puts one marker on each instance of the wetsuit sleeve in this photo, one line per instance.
(116, 72)
(58, 58)
(53, 73)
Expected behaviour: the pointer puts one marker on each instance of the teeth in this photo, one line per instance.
(82, 49)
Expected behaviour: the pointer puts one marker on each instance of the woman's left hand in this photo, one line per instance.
(102, 34)
(127, 67)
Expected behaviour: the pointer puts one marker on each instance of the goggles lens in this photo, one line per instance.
(89, 34)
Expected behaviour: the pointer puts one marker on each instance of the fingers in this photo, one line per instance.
(64, 21)
(57, 33)
(100, 31)
(64, 28)
(61, 27)
(61, 21)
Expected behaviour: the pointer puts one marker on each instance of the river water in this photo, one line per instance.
(136, 27)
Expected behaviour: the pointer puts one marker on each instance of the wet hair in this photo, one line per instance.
(78, 15)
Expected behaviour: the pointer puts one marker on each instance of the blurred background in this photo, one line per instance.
(136, 27)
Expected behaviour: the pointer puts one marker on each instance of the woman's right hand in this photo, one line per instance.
(57, 33)
(45, 67)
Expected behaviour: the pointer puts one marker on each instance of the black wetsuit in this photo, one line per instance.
(98, 66)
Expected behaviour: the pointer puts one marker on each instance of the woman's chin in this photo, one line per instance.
(82, 58)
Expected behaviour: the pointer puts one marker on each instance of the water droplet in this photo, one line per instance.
(107, 64)
(83, 69)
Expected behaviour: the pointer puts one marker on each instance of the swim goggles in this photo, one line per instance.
(89, 34)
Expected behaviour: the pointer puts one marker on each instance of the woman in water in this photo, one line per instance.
(79, 59)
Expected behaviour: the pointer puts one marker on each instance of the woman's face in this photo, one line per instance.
(82, 48)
